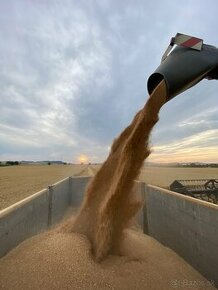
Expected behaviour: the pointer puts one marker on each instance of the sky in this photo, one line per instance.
(74, 73)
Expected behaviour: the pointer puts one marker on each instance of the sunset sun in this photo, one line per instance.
(83, 159)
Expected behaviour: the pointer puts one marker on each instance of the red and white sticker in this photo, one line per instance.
(188, 41)
(183, 40)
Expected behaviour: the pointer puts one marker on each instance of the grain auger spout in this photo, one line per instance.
(189, 63)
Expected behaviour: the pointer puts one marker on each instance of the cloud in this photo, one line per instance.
(73, 74)
(201, 146)
(207, 117)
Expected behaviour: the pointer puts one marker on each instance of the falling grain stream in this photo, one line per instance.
(108, 204)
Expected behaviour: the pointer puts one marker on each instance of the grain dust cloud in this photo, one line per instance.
(96, 250)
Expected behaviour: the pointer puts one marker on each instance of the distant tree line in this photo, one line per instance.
(56, 162)
(201, 165)
(12, 163)
(9, 163)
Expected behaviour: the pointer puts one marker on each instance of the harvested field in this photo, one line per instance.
(18, 182)
(164, 176)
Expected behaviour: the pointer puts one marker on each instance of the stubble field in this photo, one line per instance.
(18, 182)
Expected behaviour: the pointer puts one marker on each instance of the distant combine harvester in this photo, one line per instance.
(205, 189)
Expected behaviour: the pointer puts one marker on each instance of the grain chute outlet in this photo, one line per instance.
(185, 66)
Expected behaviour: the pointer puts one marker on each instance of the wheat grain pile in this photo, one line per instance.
(57, 260)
